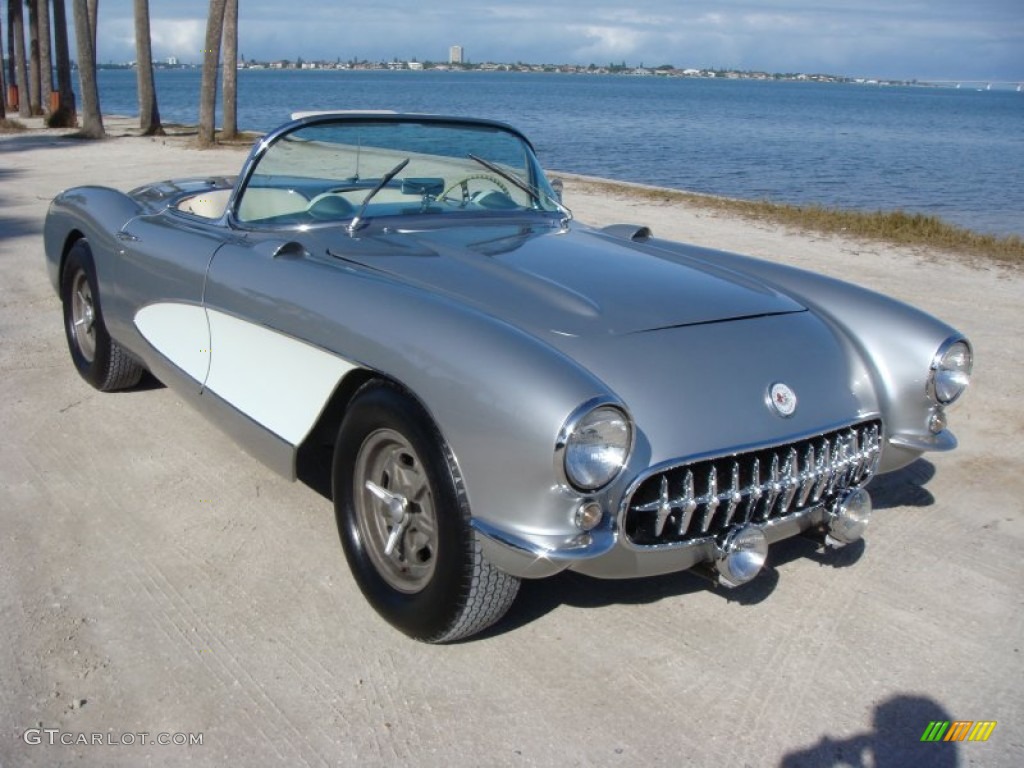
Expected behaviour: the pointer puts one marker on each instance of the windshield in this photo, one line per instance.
(356, 170)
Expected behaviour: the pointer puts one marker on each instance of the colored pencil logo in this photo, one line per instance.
(958, 730)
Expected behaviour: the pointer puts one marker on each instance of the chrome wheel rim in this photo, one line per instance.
(83, 316)
(395, 512)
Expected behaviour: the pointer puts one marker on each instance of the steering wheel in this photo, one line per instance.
(464, 183)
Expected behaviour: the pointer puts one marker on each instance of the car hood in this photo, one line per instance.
(569, 282)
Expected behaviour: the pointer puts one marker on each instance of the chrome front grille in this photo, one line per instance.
(691, 501)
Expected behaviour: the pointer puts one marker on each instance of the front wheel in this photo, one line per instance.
(403, 519)
(100, 360)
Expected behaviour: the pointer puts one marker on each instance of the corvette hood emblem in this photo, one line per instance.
(782, 399)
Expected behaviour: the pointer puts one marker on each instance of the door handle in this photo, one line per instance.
(127, 237)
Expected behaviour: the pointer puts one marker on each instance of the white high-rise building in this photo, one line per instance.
(455, 54)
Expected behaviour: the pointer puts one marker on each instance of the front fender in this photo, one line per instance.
(498, 395)
(96, 213)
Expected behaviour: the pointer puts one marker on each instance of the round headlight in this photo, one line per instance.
(951, 372)
(595, 447)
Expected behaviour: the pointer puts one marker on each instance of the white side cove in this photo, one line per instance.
(281, 382)
(274, 379)
(181, 334)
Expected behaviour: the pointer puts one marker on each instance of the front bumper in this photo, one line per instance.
(675, 516)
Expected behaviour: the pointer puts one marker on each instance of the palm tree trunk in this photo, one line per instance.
(17, 22)
(65, 93)
(45, 54)
(92, 118)
(94, 15)
(34, 84)
(149, 112)
(230, 101)
(211, 58)
(3, 84)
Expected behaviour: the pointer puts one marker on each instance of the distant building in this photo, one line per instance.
(172, 61)
(455, 54)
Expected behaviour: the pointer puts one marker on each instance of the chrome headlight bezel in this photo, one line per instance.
(948, 377)
(586, 417)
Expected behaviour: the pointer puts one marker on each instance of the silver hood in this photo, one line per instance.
(578, 282)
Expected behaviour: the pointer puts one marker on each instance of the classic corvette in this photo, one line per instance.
(400, 310)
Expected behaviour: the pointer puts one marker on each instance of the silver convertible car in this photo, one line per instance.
(400, 311)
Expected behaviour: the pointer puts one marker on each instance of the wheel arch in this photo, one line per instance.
(69, 242)
(314, 455)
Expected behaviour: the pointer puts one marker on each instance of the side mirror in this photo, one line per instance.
(557, 185)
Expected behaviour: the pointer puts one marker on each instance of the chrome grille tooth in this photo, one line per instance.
(836, 472)
(709, 500)
(791, 476)
(807, 477)
(856, 459)
(688, 503)
(875, 438)
(774, 488)
(664, 507)
(823, 469)
(734, 496)
(754, 491)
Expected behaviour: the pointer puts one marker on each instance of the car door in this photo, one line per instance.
(266, 300)
(158, 291)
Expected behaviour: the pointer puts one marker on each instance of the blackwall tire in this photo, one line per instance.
(403, 519)
(100, 360)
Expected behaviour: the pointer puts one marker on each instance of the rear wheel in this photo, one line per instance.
(100, 360)
(404, 522)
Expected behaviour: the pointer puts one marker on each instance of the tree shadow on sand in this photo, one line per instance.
(14, 226)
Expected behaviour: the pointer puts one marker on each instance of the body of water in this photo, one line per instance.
(954, 153)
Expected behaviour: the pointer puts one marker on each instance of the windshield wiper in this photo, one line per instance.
(529, 189)
(387, 177)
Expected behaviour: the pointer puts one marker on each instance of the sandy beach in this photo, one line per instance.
(155, 579)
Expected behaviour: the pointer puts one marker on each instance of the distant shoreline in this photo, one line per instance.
(622, 70)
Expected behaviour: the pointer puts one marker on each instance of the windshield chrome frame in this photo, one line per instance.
(326, 118)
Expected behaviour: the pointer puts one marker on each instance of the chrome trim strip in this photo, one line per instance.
(944, 441)
(579, 546)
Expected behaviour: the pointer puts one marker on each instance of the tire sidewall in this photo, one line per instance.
(79, 259)
(430, 612)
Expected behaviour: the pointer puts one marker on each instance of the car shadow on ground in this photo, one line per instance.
(539, 597)
(904, 487)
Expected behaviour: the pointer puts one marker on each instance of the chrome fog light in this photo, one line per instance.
(588, 516)
(741, 556)
(849, 517)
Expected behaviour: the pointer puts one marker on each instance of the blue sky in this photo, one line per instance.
(925, 39)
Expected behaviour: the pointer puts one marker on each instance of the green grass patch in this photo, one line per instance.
(896, 227)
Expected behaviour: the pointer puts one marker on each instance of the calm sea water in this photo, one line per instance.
(957, 154)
